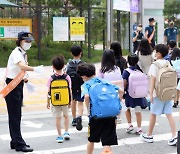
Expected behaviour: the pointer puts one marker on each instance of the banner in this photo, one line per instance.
(122, 5)
(77, 28)
(12, 84)
(134, 6)
(9, 28)
(60, 29)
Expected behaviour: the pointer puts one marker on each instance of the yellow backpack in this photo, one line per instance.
(59, 91)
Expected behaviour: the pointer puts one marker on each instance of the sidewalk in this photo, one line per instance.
(33, 101)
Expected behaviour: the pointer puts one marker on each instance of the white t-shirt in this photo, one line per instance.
(16, 56)
(154, 70)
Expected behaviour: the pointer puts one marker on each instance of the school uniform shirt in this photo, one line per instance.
(137, 42)
(154, 70)
(129, 101)
(171, 33)
(16, 56)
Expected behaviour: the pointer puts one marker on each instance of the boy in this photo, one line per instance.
(158, 106)
(99, 129)
(171, 45)
(58, 65)
(76, 86)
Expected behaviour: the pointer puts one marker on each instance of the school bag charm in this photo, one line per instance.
(166, 82)
(59, 91)
(104, 100)
(138, 84)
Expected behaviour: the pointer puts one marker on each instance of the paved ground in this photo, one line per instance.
(39, 129)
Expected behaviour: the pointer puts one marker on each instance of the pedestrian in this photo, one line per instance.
(150, 32)
(171, 45)
(120, 61)
(100, 129)
(171, 33)
(159, 104)
(175, 56)
(145, 55)
(16, 63)
(137, 37)
(57, 111)
(109, 71)
(135, 103)
(77, 81)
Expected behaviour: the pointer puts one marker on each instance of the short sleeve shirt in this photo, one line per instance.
(16, 56)
(171, 33)
(140, 36)
(150, 30)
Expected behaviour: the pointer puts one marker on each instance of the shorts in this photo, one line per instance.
(158, 107)
(104, 130)
(77, 97)
(58, 110)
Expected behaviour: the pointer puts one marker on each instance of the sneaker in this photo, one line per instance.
(139, 132)
(118, 120)
(79, 123)
(74, 123)
(173, 141)
(147, 138)
(60, 139)
(66, 136)
(129, 129)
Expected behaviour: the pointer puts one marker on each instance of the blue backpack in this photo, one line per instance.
(104, 100)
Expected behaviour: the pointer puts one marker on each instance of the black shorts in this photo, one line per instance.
(104, 130)
(77, 97)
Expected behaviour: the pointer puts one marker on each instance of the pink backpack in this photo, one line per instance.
(138, 84)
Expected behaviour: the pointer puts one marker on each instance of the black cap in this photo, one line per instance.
(25, 36)
(151, 19)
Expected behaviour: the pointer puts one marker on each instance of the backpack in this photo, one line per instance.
(178, 143)
(76, 80)
(104, 100)
(176, 66)
(138, 84)
(166, 82)
(59, 91)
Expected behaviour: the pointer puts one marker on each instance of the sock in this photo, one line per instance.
(139, 128)
(129, 124)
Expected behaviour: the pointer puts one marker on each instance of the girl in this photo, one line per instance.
(110, 71)
(136, 103)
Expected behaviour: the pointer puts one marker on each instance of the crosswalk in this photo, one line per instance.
(40, 133)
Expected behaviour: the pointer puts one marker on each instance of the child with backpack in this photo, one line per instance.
(59, 94)
(76, 86)
(136, 88)
(109, 71)
(162, 90)
(104, 105)
(175, 61)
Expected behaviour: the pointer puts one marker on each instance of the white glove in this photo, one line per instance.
(39, 69)
(30, 87)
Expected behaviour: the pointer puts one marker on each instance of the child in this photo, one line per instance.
(58, 65)
(176, 56)
(130, 102)
(171, 45)
(159, 107)
(99, 129)
(76, 86)
(111, 72)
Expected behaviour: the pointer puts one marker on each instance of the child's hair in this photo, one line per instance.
(58, 62)
(86, 69)
(144, 47)
(162, 49)
(108, 61)
(175, 54)
(116, 47)
(132, 60)
(172, 44)
(76, 50)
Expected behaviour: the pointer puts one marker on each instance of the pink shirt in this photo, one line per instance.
(67, 78)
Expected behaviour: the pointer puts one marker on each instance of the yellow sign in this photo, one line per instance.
(77, 28)
(9, 28)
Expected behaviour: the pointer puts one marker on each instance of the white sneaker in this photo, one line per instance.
(173, 141)
(139, 132)
(147, 138)
(130, 129)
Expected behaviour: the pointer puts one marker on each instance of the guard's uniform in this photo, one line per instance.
(15, 97)
(150, 29)
(171, 34)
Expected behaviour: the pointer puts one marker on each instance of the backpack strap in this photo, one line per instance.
(54, 77)
(161, 66)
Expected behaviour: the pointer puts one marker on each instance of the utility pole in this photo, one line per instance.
(89, 29)
(109, 22)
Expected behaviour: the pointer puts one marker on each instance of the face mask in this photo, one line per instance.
(26, 46)
(154, 23)
(139, 28)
